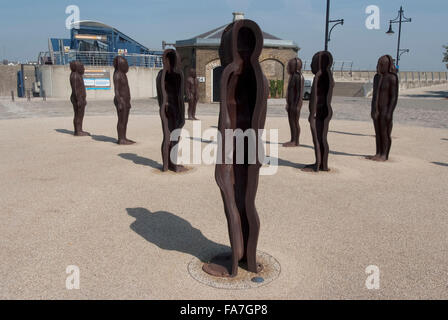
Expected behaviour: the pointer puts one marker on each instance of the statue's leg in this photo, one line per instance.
(195, 104)
(226, 265)
(79, 117)
(325, 149)
(317, 149)
(389, 136)
(293, 130)
(126, 112)
(165, 147)
(376, 125)
(119, 122)
(385, 138)
(297, 124)
(252, 219)
(172, 144)
(75, 117)
(190, 109)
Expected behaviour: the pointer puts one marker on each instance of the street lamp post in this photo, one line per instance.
(327, 25)
(399, 19)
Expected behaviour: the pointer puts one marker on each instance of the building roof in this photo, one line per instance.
(102, 26)
(212, 38)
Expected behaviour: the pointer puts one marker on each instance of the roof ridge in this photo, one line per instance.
(205, 34)
(216, 31)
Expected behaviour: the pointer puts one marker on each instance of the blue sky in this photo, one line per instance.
(26, 25)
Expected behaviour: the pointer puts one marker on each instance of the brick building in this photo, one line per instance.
(201, 52)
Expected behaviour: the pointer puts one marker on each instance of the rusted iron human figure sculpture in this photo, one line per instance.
(192, 87)
(170, 95)
(78, 97)
(384, 101)
(320, 108)
(294, 100)
(244, 92)
(122, 99)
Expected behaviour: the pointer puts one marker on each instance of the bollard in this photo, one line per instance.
(28, 95)
(44, 97)
(12, 95)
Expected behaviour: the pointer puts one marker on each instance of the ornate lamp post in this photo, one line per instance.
(399, 19)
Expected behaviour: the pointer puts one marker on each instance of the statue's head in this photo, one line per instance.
(73, 66)
(121, 64)
(193, 73)
(171, 60)
(322, 60)
(385, 65)
(77, 66)
(243, 39)
(80, 68)
(294, 65)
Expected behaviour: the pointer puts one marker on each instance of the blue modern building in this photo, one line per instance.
(95, 43)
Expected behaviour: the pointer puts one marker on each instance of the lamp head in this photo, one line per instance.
(390, 31)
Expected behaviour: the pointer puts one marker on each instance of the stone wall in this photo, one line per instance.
(8, 79)
(55, 81)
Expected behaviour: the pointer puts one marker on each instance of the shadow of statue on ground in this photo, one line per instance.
(170, 232)
(443, 164)
(141, 160)
(352, 134)
(102, 138)
(64, 131)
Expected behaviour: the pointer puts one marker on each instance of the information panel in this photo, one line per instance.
(95, 79)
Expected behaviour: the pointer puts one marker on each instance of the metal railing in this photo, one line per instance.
(341, 66)
(97, 58)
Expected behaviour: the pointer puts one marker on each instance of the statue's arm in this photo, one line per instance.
(393, 92)
(188, 88)
(375, 111)
(120, 100)
(79, 88)
(298, 94)
(181, 103)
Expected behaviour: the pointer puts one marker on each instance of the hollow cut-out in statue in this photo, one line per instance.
(122, 99)
(192, 91)
(78, 97)
(384, 101)
(294, 100)
(244, 92)
(320, 108)
(170, 95)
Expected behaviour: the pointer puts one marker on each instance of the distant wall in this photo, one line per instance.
(55, 82)
(8, 78)
(359, 83)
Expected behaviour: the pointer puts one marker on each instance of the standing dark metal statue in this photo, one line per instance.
(244, 92)
(384, 101)
(320, 108)
(192, 90)
(122, 99)
(170, 95)
(294, 100)
(78, 97)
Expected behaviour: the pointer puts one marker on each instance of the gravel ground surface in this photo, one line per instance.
(133, 230)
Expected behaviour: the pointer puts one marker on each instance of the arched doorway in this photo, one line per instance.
(274, 70)
(216, 85)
